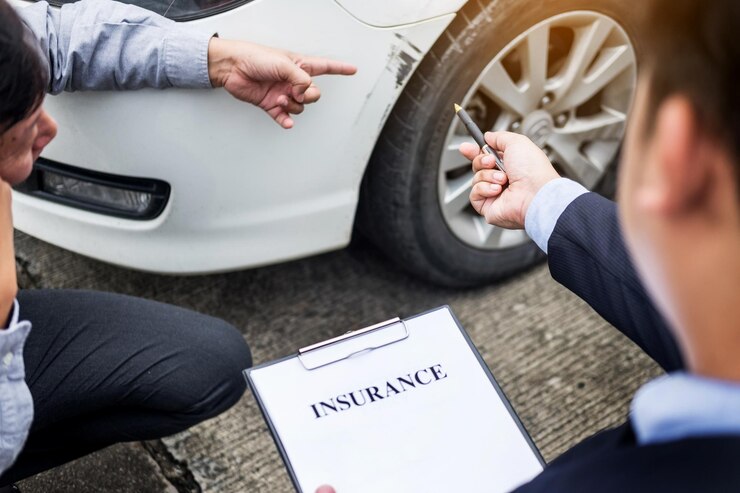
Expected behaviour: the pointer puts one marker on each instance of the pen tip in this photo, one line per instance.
(457, 108)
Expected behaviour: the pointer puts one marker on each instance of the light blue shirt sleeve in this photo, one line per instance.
(103, 45)
(547, 206)
(681, 405)
(16, 403)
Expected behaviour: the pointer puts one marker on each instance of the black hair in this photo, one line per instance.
(23, 75)
(691, 48)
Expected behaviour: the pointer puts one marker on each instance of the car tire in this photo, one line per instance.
(399, 208)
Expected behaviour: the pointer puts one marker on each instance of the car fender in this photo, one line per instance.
(241, 186)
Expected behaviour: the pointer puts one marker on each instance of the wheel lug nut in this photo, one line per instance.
(546, 99)
(516, 126)
(561, 120)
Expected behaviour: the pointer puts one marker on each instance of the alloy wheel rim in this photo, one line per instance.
(567, 83)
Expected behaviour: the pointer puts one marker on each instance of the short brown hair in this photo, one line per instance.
(691, 48)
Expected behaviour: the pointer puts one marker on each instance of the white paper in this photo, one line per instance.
(453, 433)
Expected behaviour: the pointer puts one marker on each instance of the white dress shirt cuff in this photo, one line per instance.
(547, 206)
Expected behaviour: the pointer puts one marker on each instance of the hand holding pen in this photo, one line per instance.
(503, 198)
(477, 135)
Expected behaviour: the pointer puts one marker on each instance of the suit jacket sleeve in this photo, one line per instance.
(587, 254)
(102, 45)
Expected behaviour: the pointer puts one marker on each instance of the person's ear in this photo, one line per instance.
(680, 166)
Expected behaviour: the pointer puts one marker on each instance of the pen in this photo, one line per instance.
(477, 135)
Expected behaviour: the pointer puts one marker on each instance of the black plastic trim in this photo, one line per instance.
(160, 190)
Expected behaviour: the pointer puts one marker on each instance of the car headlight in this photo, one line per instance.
(112, 195)
(179, 10)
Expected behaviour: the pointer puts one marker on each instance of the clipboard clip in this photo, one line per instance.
(353, 343)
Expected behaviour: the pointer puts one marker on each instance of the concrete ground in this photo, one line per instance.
(566, 371)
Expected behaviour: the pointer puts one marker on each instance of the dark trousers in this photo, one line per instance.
(106, 368)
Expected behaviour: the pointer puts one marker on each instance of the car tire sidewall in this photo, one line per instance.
(488, 33)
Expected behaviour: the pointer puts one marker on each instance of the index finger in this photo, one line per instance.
(501, 140)
(325, 66)
(469, 150)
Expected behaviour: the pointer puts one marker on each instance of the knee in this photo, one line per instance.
(220, 357)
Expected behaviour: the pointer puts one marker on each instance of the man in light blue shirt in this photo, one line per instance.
(98, 368)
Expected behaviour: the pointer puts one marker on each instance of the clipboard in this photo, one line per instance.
(356, 412)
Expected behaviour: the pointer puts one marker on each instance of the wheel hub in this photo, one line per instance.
(538, 126)
(567, 84)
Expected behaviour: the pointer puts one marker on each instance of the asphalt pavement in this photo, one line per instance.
(567, 372)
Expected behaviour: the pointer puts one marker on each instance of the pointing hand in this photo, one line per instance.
(279, 82)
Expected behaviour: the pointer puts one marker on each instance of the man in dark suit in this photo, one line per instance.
(663, 267)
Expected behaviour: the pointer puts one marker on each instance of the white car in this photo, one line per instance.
(186, 182)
